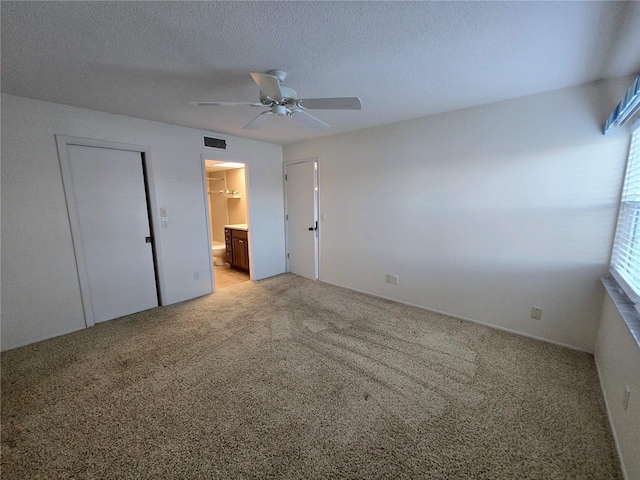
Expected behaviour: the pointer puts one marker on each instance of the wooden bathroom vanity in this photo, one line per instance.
(237, 244)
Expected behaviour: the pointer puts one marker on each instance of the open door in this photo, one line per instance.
(301, 190)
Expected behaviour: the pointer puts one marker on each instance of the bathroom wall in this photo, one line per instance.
(217, 206)
(237, 207)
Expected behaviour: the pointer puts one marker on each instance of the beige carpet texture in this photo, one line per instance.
(287, 378)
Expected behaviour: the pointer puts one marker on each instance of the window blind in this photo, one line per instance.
(625, 262)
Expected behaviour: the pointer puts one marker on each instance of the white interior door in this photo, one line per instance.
(111, 207)
(301, 180)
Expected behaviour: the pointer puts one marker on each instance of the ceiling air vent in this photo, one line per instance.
(210, 142)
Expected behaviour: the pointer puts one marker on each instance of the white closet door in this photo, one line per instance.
(111, 206)
(302, 234)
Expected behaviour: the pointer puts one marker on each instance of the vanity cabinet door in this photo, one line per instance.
(240, 253)
(229, 246)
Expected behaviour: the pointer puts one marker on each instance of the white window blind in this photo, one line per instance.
(625, 261)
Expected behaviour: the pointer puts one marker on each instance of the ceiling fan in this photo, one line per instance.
(283, 101)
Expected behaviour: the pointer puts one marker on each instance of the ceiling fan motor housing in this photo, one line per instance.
(289, 97)
(279, 74)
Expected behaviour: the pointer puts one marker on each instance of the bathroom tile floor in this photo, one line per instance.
(225, 276)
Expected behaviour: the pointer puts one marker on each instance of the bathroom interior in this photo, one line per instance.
(226, 185)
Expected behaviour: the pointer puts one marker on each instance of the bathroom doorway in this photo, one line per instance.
(228, 222)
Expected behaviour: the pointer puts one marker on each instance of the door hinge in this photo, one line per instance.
(287, 217)
(287, 255)
(285, 177)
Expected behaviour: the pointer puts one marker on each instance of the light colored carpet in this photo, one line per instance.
(289, 378)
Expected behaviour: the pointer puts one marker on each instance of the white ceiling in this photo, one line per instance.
(403, 59)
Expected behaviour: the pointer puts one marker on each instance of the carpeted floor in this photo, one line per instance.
(289, 378)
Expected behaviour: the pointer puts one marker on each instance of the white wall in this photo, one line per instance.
(483, 213)
(618, 359)
(40, 289)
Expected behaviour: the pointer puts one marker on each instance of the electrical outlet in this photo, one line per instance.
(392, 279)
(536, 313)
(625, 397)
(196, 275)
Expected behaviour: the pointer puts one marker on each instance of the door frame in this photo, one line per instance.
(63, 142)
(316, 213)
(205, 191)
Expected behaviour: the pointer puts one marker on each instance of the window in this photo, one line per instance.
(625, 261)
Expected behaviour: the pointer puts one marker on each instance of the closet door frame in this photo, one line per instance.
(63, 142)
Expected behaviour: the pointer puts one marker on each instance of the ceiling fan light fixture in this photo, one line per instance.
(280, 110)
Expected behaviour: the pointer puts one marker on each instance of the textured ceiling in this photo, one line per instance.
(403, 59)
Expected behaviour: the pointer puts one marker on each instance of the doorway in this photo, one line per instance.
(302, 200)
(228, 221)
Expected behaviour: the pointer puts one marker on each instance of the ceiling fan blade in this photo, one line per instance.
(269, 84)
(342, 103)
(259, 120)
(225, 104)
(309, 120)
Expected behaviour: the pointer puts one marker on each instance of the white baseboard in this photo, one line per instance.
(458, 317)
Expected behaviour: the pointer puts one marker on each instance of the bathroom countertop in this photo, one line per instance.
(238, 226)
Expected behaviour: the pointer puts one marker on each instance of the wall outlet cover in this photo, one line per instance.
(625, 397)
(392, 279)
